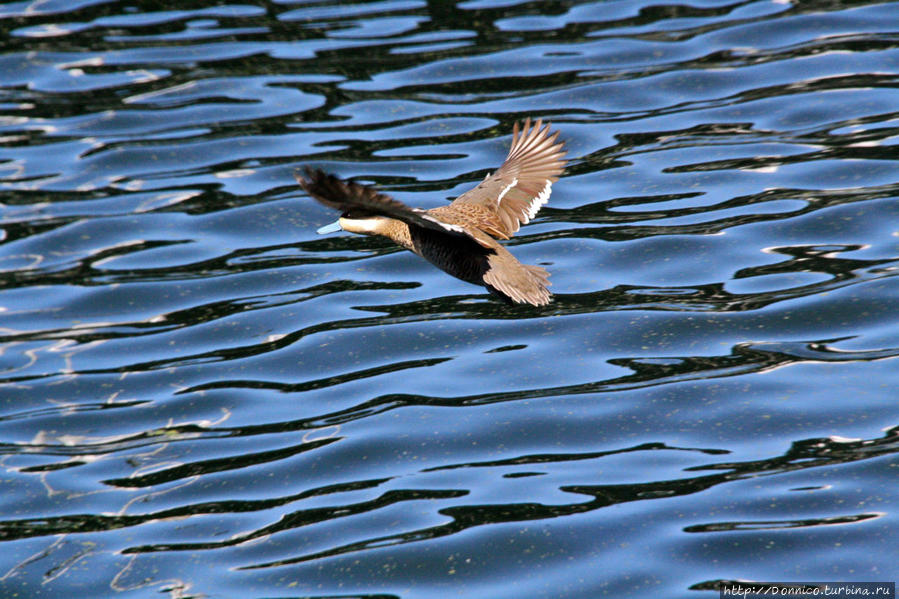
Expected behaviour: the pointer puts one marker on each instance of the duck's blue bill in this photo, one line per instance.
(332, 228)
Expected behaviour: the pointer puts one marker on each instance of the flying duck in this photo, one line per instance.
(461, 238)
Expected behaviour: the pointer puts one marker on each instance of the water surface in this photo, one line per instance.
(203, 398)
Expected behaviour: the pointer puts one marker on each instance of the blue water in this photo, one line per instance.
(200, 397)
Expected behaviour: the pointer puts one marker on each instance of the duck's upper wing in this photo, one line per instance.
(349, 196)
(512, 195)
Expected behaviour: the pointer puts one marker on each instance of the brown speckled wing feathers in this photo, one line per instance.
(512, 195)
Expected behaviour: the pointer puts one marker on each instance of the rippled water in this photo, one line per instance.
(203, 398)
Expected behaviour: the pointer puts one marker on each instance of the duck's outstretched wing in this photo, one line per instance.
(351, 197)
(512, 195)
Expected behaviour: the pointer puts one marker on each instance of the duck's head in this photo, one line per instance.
(365, 224)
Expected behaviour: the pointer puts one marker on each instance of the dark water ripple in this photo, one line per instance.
(199, 397)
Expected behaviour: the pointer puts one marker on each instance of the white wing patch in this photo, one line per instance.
(447, 226)
(505, 190)
(541, 199)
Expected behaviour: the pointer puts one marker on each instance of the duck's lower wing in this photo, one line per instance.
(521, 283)
(480, 260)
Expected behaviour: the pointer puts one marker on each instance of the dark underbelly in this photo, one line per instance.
(456, 255)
